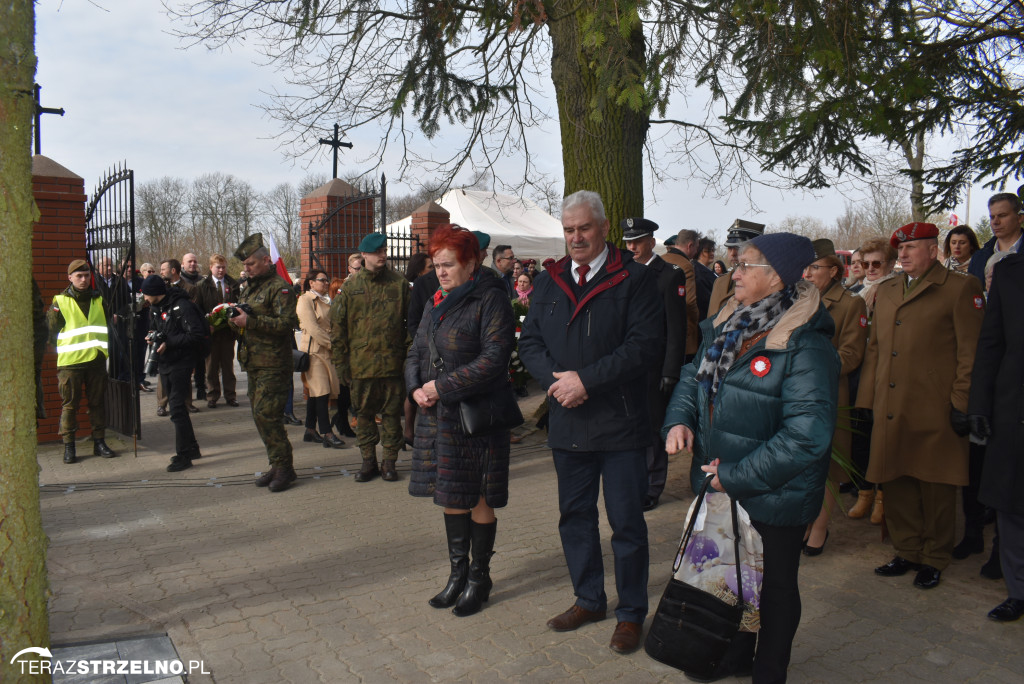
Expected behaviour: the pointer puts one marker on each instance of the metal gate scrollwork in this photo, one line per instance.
(110, 246)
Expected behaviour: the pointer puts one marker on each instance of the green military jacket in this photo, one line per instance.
(369, 337)
(266, 342)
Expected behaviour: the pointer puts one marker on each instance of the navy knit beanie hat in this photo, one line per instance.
(787, 253)
(154, 285)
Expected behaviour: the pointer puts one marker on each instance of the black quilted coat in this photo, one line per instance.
(474, 338)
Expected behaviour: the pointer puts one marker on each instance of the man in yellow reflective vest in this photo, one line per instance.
(78, 326)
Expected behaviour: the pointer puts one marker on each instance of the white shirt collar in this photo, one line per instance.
(595, 266)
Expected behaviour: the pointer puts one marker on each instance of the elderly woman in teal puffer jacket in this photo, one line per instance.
(757, 408)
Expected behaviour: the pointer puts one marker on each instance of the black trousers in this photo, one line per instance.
(780, 601)
(317, 412)
(177, 383)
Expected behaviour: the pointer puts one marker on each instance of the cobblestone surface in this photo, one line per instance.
(329, 581)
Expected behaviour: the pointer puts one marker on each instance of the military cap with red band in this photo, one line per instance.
(914, 231)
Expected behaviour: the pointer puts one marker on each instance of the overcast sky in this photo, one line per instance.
(133, 94)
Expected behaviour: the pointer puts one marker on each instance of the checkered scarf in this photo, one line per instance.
(745, 323)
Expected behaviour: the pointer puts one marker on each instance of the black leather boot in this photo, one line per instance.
(69, 453)
(456, 528)
(283, 478)
(266, 478)
(368, 471)
(179, 462)
(100, 448)
(478, 586)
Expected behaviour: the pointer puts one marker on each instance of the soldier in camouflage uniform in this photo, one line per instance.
(369, 340)
(79, 327)
(265, 352)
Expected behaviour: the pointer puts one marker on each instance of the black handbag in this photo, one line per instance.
(693, 630)
(484, 414)
(300, 359)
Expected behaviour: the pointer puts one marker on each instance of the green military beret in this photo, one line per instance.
(249, 245)
(372, 242)
(78, 265)
(823, 247)
(670, 242)
(483, 238)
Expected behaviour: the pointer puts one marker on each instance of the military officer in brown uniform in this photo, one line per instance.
(369, 341)
(675, 256)
(79, 323)
(916, 378)
(740, 232)
(265, 352)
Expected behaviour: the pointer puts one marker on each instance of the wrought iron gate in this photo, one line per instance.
(110, 245)
(338, 232)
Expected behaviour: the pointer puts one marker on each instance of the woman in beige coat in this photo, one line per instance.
(320, 380)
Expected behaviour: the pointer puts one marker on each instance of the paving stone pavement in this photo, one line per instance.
(329, 581)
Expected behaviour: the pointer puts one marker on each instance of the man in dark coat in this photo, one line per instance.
(994, 409)
(1004, 216)
(594, 332)
(638, 234)
(216, 289)
(180, 334)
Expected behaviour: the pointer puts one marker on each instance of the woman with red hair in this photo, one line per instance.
(461, 349)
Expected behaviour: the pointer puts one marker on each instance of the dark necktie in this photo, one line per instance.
(583, 271)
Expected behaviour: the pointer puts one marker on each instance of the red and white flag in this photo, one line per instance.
(278, 262)
(954, 220)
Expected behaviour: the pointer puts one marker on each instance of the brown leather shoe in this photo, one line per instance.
(574, 618)
(626, 637)
(231, 402)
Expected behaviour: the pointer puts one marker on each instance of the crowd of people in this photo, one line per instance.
(788, 377)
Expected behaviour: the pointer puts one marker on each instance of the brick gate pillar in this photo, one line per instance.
(342, 233)
(426, 219)
(58, 238)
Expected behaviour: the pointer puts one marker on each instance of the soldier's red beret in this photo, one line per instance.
(914, 231)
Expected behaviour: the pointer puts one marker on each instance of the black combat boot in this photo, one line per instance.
(478, 586)
(265, 479)
(369, 469)
(283, 478)
(100, 448)
(179, 462)
(456, 527)
(387, 470)
(69, 453)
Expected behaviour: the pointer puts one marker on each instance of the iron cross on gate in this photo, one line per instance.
(335, 142)
(40, 110)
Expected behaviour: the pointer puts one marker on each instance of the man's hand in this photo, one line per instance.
(567, 389)
(241, 319)
(960, 423)
(981, 429)
(680, 438)
(162, 348)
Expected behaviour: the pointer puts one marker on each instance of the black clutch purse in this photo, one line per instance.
(490, 413)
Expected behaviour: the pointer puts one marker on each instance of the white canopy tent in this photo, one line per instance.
(509, 220)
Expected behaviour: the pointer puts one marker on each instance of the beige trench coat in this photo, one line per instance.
(692, 313)
(851, 341)
(917, 368)
(315, 323)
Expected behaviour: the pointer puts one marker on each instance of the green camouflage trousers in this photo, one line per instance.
(69, 383)
(385, 396)
(268, 393)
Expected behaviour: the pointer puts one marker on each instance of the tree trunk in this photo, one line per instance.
(913, 152)
(602, 149)
(23, 587)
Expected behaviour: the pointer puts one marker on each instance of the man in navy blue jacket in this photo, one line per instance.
(594, 332)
